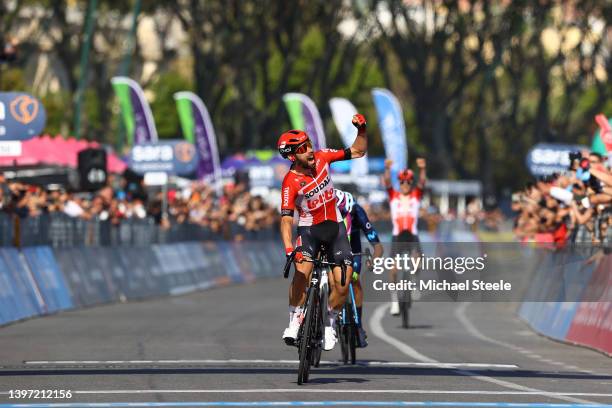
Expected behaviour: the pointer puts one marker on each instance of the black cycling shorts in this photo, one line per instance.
(332, 235)
(405, 242)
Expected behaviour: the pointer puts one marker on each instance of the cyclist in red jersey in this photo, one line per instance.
(307, 187)
(404, 205)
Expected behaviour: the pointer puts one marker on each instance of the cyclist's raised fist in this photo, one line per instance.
(388, 163)
(359, 121)
(421, 163)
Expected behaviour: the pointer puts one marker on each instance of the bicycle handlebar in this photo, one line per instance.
(291, 257)
(288, 264)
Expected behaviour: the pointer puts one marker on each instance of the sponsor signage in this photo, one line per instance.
(156, 178)
(548, 158)
(10, 148)
(175, 157)
(21, 116)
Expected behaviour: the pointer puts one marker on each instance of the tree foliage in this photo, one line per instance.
(480, 82)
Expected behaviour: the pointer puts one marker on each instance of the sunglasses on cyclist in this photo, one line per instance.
(405, 182)
(303, 148)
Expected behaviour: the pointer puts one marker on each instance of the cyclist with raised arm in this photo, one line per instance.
(356, 220)
(307, 186)
(404, 205)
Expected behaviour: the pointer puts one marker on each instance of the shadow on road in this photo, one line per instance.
(337, 380)
(416, 327)
(291, 370)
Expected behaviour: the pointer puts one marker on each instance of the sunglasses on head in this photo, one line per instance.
(303, 148)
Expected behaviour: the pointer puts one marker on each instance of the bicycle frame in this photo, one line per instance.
(353, 305)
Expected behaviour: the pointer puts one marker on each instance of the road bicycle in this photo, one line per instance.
(310, 335)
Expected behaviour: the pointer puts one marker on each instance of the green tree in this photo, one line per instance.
(163, 106)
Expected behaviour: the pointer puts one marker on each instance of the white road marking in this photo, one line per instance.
(331, 391)
(378, 331)
(271, 362)
(460, 313)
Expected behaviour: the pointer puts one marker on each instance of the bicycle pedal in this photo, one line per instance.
(290, 341)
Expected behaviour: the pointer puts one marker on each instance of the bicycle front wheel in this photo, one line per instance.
(306, 340)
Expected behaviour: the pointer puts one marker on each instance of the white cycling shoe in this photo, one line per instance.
(329, 338)
(290, 334)
(395, 310)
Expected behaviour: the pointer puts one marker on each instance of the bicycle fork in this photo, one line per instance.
(353, 306)
(324, 293)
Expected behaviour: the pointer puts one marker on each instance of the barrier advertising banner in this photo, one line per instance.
(26, 299)
(48, 276)
(592, 323)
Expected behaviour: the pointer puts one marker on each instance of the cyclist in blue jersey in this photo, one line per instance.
(356, 220)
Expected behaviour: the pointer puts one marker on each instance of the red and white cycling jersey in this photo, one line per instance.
(405, 210)
(313, 197)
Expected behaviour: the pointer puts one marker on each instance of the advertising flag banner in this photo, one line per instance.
(136, 111)
(342, 112)
(22, 116)
(391, 122)
(305, 116)
(198, 129)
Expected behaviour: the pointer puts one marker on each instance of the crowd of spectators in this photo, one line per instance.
(573, 206)
(121, 200)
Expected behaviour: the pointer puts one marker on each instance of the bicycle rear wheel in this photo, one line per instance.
(405, 304)
(352, 342)
(342, 337)
(305, 345)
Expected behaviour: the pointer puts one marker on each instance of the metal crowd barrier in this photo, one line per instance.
(6, 229)
(584, 233)
(62, 231)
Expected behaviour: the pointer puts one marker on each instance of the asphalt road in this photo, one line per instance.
(223, 346)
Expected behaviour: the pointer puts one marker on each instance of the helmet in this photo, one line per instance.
(345, 200)
(290, 140)
(405, 174)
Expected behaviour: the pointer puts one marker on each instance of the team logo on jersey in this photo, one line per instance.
(318, 188)
(328, 195)
(302, 183)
